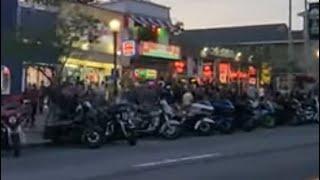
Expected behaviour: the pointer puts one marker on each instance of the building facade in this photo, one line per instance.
(149, 27)
(9, 74)
(258, 45)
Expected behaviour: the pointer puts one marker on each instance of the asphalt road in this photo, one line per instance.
(281, 153)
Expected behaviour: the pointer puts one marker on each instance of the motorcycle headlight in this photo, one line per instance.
(12, 120)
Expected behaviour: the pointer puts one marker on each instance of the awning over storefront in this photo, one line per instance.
(151, 21)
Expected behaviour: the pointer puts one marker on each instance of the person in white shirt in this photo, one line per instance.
(187, 98)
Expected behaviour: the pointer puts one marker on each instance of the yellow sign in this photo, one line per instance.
(266, 74)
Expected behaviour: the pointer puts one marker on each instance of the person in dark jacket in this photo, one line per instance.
(32, 94)
(42, 91)
(167, 94)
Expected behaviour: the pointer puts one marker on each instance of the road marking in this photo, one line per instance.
(170, 161)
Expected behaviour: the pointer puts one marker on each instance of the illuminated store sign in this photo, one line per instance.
(159, 50)
(128, 48)
(146, 74)
(224, 71)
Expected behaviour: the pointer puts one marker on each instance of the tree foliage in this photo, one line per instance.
(71, 27)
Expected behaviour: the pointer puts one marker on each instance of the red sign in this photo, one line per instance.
(224, 72)
(128, 48)
(179, 67)
(252, 73)
(208, 70)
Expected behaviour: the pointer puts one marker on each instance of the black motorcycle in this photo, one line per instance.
(245, 116)
(11, 132)
(224, 116)
(305, 112)
(12, 119)
(80, 126)
(117, 120)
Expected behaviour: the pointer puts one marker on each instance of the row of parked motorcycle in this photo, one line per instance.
(94, 125)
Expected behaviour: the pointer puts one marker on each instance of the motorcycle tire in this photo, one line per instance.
(16, 145)
(131, 137)
(205, 129)
(171, 133)
(92, 137)
(248, 126)
(269, 122)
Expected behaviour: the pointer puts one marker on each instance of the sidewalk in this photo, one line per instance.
(34, 136)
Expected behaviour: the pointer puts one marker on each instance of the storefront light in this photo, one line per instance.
(238, 56)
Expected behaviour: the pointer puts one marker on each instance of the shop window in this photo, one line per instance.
(35, 75)
(5, 80)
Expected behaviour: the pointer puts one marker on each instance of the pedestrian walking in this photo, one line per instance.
(32, 95)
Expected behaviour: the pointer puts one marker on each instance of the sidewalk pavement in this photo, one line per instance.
(34, 136)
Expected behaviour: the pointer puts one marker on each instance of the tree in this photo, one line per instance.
(71, 27)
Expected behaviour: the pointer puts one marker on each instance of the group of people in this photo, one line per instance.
(147, 93)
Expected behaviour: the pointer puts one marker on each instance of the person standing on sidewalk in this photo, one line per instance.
(42, 90)
(32, 95)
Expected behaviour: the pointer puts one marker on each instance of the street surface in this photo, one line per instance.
(283, 153)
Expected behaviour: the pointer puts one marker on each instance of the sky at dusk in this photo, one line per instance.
(220, 13)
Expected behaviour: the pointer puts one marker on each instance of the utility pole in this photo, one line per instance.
(290, 38)
(307, 48)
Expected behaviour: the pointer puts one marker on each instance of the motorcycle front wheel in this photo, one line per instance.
(204, 129)
(92, 137)
(171, 132)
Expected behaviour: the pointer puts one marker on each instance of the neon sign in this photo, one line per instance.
(160, 50)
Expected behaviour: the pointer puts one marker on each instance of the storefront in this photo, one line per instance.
(159, 59)
(36, 74)
(89, 71)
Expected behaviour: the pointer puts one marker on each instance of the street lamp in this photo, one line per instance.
(115, 26)
(238, 59)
